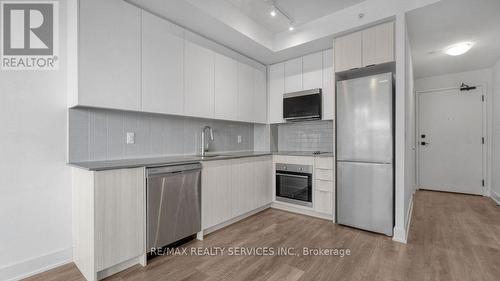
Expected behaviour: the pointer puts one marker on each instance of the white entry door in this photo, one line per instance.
(450, 141)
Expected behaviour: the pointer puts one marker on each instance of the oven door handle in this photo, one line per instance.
(290, 175)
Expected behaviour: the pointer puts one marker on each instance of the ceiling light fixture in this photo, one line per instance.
(276, 8)
(273, 12)
(459, 48)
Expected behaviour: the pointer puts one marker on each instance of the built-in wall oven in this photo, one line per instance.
(294, 184)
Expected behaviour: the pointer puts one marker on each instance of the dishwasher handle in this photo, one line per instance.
(150, 172)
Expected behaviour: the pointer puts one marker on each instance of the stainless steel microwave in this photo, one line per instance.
(303, 105)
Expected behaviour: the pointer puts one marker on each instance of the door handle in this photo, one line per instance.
(424, 143)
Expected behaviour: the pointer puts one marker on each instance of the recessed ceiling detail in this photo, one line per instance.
(302, 11)
(247, 26)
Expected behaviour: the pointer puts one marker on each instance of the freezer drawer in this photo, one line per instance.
(365, 196)
(365, 119)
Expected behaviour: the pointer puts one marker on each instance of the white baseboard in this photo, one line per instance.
(401, 234)
(36, 265)
(234, 220)
(495, 196)
(300, 210)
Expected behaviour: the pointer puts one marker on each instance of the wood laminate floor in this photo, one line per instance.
(452, 237)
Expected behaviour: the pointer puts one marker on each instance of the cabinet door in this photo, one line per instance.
(276, 90)
(199, 80)
(313, 71)
(242, 171)
(348, 52)
(328, 86)
(226, 88)
(263, 181)
(323, 201)
(378, 44)
(216, 193)
(120, 212)
(162, 66)
(260, 96)
(245, 93)
(293, 75)
(109, 54)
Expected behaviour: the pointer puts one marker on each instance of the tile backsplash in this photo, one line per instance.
(98, 134)
(303, 136)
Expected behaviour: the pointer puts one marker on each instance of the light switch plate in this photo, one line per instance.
(130, 138)
(239, 139)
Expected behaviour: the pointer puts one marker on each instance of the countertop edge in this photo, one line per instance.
(156, 162)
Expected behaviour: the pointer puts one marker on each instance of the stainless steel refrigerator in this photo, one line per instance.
(365, 153)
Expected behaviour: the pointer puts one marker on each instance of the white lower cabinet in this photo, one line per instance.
(323, 201)
(263, 180)
(231, 188)
(109, 220)
(324, 185)
(216, 193)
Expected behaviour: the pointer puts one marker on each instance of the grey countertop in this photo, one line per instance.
(174, 160)
(303, 153)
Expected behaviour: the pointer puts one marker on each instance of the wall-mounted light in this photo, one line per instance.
(458, 49)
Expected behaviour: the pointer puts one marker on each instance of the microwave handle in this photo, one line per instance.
(290, 175)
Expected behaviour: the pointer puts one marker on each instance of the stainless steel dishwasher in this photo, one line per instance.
(173, 203)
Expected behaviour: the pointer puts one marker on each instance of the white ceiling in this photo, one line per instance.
(302, 11)
(434, 27)
(246, 27)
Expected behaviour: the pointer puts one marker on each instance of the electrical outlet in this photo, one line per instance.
(130, 137)
(239, 139)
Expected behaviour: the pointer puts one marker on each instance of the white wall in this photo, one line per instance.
(410, 168)
(400, 101)
(495, 186)
(35, 183)
(481, 77)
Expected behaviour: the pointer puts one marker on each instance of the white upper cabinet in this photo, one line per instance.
(199, 80)
(378, 44)
(126, 58)
(328, 86)
(368, 47)
(293, 75)
(276, 90)
(312, 74)
(109, 55)
(226, 88)
(245, 93)
(162, 66)
(348, 52)
(260, 96)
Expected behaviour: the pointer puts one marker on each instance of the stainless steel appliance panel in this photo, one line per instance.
(364, 119)
(303, 105)
(173, 204)
(294, 184)
(365, 196)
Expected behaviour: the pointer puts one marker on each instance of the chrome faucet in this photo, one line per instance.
(204, 148)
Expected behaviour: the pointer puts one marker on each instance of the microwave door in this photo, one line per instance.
(301, 107)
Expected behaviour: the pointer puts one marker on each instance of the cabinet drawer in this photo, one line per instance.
(323, 185)
(323, 163)
(323, 201)
(324, 174)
